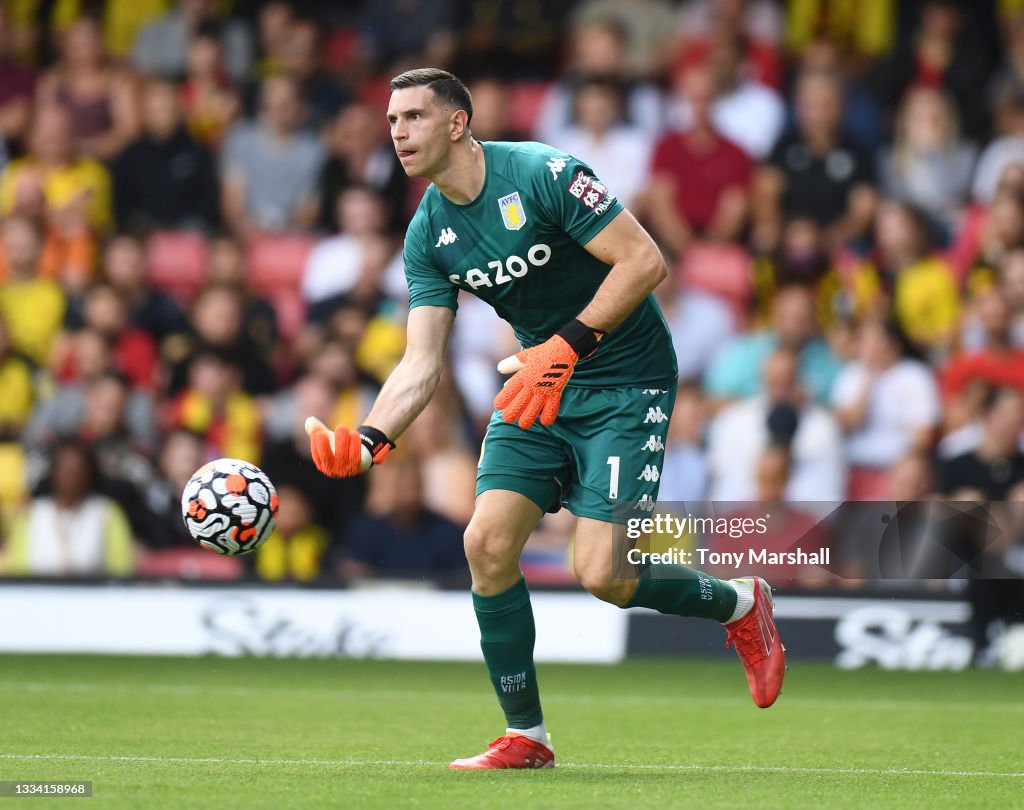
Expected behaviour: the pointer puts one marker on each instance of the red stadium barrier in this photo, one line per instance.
(722, 270)
(275, 265)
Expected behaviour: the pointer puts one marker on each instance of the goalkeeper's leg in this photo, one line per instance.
(744, 605)
(501, 525)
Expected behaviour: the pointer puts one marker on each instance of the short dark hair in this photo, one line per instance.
(448, 87)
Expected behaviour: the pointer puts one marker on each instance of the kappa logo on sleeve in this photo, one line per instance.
(591, 192)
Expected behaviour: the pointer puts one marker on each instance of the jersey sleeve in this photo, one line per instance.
(428, 285)
(574, 197)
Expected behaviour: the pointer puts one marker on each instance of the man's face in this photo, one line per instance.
(420, 130)
(161, 113)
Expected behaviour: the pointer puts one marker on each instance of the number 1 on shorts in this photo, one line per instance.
(613, 484)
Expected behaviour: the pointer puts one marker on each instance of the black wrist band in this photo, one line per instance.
(373, 440)
(581, 338)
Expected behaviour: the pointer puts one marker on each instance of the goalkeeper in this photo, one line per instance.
(584, 417)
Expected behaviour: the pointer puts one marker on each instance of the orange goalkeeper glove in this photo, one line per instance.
(542, 373)
(344, 452)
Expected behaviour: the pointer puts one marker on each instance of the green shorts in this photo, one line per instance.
(602, 457)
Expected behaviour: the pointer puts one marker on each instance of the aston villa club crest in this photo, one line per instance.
(512, 213)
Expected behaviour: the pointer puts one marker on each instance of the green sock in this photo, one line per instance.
(683, 591)
(507, 634)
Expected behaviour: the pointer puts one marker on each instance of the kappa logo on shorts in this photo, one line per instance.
(655, 415)
(654, 445)
(654, 391)
(650, 473)
(645, 504)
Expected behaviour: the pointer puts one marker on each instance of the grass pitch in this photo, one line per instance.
(169, 732)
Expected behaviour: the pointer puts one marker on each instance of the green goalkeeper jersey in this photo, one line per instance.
(519, 247)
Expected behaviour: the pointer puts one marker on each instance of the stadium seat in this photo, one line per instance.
(276, 262)
(524, 102)
(188, 563)
(176, 262)
(275, 265)
(722, 270)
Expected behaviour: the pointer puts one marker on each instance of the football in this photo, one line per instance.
(229, 506)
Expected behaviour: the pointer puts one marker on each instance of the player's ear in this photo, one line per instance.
(458, 124)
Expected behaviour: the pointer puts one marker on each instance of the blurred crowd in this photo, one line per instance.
(201, 221)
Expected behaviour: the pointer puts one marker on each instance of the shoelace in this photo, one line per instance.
(743, 640)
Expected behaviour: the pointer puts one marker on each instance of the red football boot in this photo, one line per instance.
(758, 644)
(510, 751)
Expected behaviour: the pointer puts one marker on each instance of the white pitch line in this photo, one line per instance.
(603, 766)
(553, 697)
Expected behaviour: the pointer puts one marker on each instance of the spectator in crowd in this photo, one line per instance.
(17, 87)
(398, 34)
(600, 138)
(919, 283)
(994, 469)
(944, 52)
(73, 530)
(738, 101)
(1004, 151)
(405, 540)
(349, 266)
(647, 26)
(300, 61)
(990, 232)
(886, 400)
(597, 51)
(122, 462)
(134, 352)
(480, 340)
(998, 362)
(60, 415)
(18, 383)
(928, 164)
(866, 31)
(1010, 284)
(448, 466)
(735, 371)
(685, 476)
(209, 100)
(699, 179)
(524, 37)
(273, 22)
(214, 405)
(758, 25)
(359, 154)
(164, 179)
(72, 193)
(150, 309)
(491, 111)
(271, 166)
(218, 320)
(33, 307)
(162, 46)
(1007, 84)
(701, 323)
(181, 454)
(327, 391)
(259, 319)
(779, 415)
(844, 286)
(815, 172)
(863, 119)
(101, 99)
(299, 547)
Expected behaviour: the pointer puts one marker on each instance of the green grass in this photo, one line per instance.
(164, 733)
